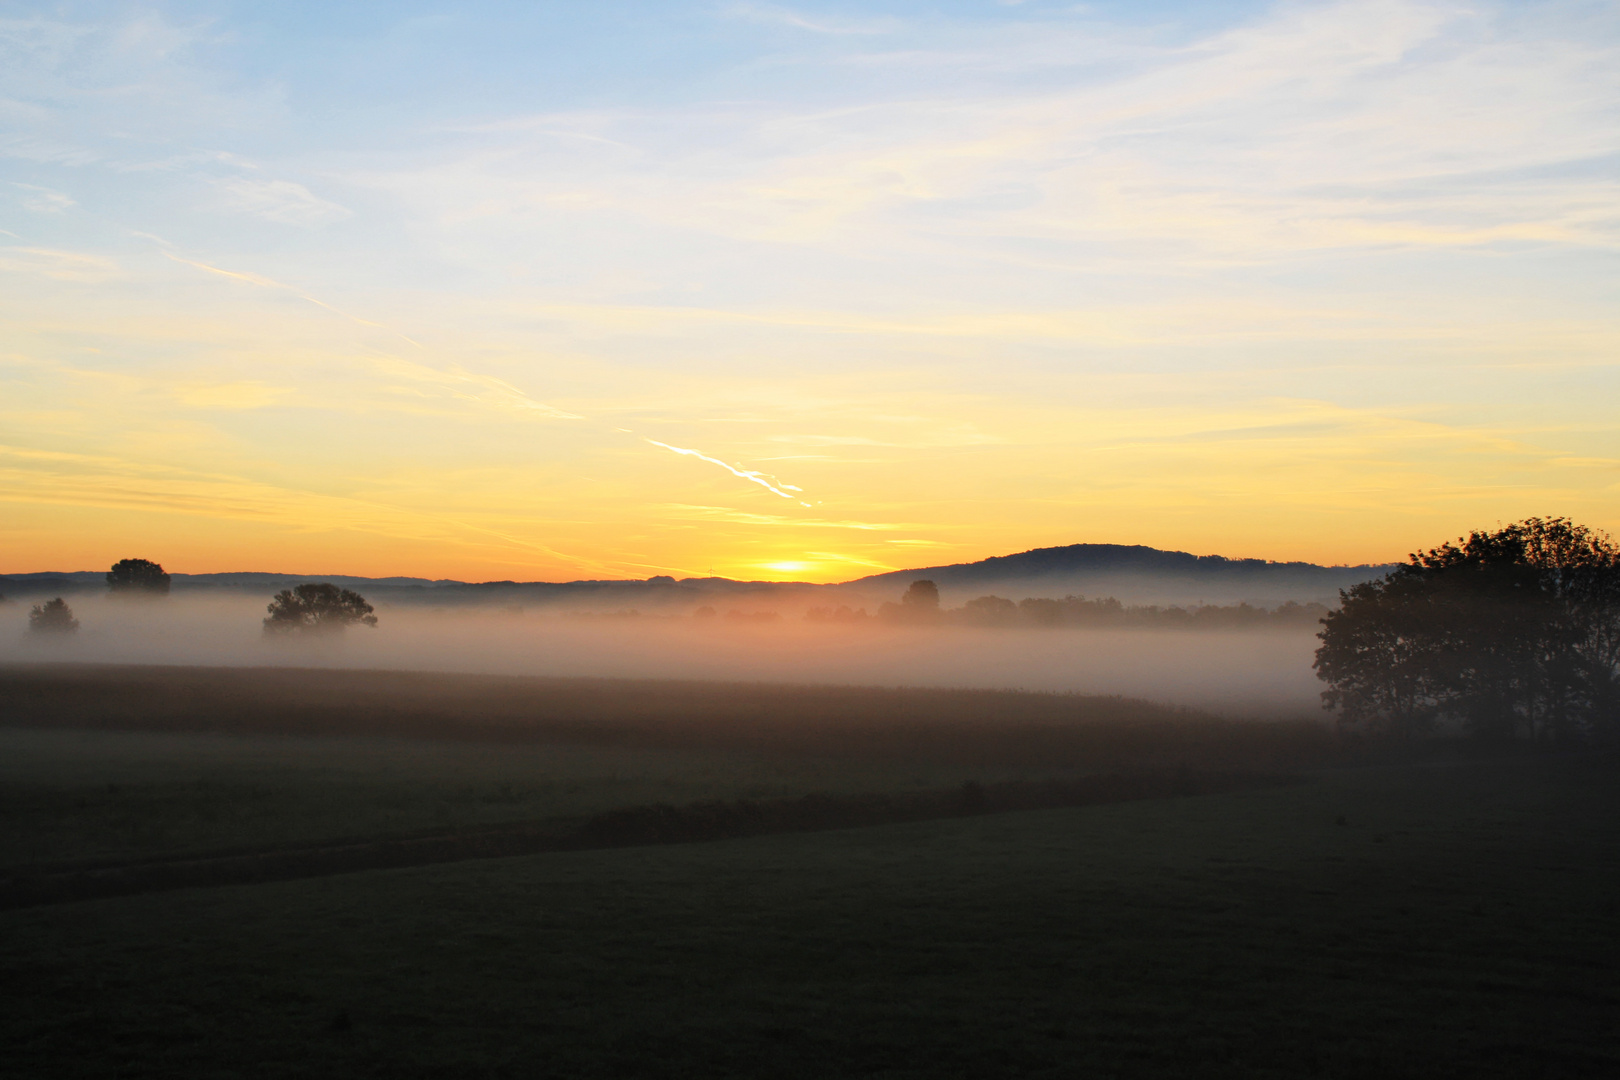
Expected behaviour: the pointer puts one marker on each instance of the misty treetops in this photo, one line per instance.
(317, 608)
(308, 608)
(52, 617)
(136, 577)
(1513, 633)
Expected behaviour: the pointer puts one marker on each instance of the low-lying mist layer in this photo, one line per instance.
(1244, 672)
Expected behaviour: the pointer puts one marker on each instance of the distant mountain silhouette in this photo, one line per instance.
(1135, 574)
(1111, 559)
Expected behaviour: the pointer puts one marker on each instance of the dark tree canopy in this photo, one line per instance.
(1514, 633)
(991, 611)
(52, 617)
(919, 605)
(922, 594)
(138, 576)
(317, 608)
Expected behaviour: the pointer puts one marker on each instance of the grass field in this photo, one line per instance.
(108, 763)
(1457, 918)
(1461, 922)
(68, 796)
(968, 729)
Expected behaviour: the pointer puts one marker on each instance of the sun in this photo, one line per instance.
(787, 567)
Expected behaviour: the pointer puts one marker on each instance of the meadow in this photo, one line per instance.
(1331, 915)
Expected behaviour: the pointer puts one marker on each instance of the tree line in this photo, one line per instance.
(921, 605)
(315, 607)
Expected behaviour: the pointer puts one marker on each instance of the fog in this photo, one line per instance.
(1253, 672)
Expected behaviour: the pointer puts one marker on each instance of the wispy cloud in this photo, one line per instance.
(268, 283)
(773, 14)
(279, 200)
(30, 475)
(471, 386)
(723, 513)
(44, 200)
(1300, 133)
(239, 395)
(72, 266)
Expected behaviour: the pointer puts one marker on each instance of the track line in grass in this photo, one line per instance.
(630, 826)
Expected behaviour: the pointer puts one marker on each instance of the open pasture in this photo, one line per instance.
(1410, 918)
(1389, 922)
(75, 796)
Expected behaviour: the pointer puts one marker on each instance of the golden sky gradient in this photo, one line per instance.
(1311, 281)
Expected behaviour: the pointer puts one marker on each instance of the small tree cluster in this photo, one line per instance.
(317, 608)
(137, 577)
(52, 617)
(919, 603)
(1514, 632)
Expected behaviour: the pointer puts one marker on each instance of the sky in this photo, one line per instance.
(556, 291)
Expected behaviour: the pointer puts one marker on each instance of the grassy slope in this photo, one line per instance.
(69, 795)
(967, 728)
(109, 762)
(1461, 922)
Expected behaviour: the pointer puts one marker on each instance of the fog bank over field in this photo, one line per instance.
(1252, 672)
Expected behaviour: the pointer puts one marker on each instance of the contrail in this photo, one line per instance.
(746, 474)
(268, 283)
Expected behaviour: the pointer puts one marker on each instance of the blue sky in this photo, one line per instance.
(428, 289)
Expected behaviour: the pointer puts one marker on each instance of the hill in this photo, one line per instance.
(1134, 573)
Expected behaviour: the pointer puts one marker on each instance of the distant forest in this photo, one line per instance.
(1078, 611)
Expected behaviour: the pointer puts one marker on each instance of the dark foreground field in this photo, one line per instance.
(1399, 920)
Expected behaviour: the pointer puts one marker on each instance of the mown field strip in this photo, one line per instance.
(656, 824)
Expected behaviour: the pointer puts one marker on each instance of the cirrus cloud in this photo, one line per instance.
(279, 200)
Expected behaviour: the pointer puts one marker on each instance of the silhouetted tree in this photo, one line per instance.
(922, 596)
(317, 608)
(919, 604)
(52, 617)
(990, 611)
(138, 577)
(1379, 657)
(1041, 611)
(1514, 632)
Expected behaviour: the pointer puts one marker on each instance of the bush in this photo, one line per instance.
(317, 608)
(52, 617)
(137, 576)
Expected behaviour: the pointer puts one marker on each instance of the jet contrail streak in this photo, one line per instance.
(746, 474)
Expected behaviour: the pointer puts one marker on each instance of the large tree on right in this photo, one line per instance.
(1514, 633)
